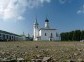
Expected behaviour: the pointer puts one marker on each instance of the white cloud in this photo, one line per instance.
(20, 18)
(13, 9)
(64, 1)
(81, 10)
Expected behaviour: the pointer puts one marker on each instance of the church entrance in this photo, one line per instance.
(51, 37)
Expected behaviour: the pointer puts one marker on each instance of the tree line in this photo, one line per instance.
(76, 35)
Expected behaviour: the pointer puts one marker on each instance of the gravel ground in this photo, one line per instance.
(59, 51)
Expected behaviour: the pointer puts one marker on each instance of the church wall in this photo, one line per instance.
(48, 34)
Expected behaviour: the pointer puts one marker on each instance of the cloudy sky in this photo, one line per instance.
(18, 16)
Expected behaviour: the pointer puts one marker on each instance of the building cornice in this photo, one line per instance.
(47, 29)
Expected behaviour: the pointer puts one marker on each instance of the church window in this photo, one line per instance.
(56, 35)
(45, 34)
(51, 35)
(7, 36)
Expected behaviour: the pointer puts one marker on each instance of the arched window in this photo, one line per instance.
(45, 34)
(51, 35)
(56, 35)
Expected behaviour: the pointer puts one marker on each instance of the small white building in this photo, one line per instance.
(45, 33)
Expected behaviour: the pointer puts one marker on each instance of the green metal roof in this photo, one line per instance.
(1, 31)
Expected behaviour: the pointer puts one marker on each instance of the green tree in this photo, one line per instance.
(82, 35)
(76, 35)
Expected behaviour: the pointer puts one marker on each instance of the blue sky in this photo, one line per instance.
(18, 16)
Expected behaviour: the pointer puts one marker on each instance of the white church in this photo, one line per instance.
(45, 33)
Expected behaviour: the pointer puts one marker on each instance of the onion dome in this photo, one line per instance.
(46, 20)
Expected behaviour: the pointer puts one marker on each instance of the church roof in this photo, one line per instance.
(47, 29)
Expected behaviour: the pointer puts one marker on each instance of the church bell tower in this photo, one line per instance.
(36, 30)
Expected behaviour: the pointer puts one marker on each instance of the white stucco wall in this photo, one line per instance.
(48, 34)
(36, 33)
